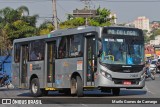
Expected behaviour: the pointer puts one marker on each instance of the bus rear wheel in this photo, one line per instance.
(116, 91)
(77, 86)
(35, 88)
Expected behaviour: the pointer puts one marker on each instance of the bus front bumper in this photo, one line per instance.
(137, 83)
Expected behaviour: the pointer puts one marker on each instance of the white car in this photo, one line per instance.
(153, 64)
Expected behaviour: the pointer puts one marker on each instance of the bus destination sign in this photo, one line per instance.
(123, 32)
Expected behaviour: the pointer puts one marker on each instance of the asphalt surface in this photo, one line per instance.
(151, 90)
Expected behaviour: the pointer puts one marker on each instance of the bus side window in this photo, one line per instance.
(36, 50)
(76, 45)
(62, 48)
(17, 53)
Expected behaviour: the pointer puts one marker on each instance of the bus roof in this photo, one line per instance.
(70, 31)
(128, 27)
(61, 32)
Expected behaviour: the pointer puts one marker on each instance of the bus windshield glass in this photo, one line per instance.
(126, 51)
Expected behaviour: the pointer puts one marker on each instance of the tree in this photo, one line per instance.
(72, 23)
(102, 19)
(45, 28)
(5, 44)
(19, 29)
(16, 23)
(155, 33)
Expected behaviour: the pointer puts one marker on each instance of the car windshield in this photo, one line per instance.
(153, 62)
(121, 51)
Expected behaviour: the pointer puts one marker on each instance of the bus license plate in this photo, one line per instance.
(127, 82)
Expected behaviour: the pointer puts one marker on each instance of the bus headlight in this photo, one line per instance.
(142, 76)
(105, 74)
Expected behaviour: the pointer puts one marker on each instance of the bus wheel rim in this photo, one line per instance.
(34, 88)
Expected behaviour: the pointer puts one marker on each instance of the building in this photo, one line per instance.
(84, 13)
(154, 42)
(89, 13)
(142, 23)
(114, 17)
(149, 50)
(155, 24)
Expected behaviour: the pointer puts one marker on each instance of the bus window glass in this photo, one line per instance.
(36, 50)
(62, 48)
(113, 51)
(134, 54)
(76, 45)
(17, 53)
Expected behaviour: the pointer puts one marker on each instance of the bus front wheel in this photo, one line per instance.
(35, 88)
(116, 91)
(77, 86)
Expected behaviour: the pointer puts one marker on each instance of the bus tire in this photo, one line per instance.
(73, 86)
(35, 88)
(45, 93)
(79, 86)
(116, 91)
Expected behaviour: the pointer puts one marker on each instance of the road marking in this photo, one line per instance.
(84, 105)
(148, 90)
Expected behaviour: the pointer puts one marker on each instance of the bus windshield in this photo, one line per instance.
(122, 51)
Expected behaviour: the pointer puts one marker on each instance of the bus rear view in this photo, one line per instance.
(121, 59)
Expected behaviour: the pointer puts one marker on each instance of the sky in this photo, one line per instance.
(126, 10)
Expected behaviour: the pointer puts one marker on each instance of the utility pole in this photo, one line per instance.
(87, 7)
(55, 14)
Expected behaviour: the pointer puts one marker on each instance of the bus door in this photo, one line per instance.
(89, 60)
(23, 65)
(51, 55)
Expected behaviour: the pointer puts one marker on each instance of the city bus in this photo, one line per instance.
(72, 61)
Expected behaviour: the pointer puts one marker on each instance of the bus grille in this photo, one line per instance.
(121, 81)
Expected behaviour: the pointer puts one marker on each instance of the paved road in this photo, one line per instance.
(151, 90)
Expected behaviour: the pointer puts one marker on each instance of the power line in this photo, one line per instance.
(62, 8)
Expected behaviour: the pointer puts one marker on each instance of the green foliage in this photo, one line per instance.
(19, 29)
(45, 28)
(146, 39)
(16, 23)
(72, 23)
(93, 22)
(155, 33)
(5, 43)
(102, 16)
(101, 19)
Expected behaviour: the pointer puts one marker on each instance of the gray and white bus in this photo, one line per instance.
(78, 59)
